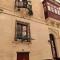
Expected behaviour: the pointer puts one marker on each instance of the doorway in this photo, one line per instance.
(22, 55)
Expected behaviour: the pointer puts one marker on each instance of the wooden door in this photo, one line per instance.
(23, 56)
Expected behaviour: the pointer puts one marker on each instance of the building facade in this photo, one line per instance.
(29, 30)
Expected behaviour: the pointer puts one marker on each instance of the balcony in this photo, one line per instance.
(51, 9)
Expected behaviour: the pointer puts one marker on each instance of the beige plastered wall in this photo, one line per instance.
(39, 48)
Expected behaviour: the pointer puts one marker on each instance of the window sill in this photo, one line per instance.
(24, 40)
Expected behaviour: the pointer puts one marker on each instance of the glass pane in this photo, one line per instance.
(24, 31)
(49, 8)
(19, 31)
(20, 3)
(56, 11)
(18, 27)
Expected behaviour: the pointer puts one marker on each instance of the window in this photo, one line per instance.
(23, 31)
(58, 12)
(24, 4)
(52, 9)
(53, 46)
(21, 3)
(49, 8)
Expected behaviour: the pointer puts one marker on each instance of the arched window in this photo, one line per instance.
(53, 46)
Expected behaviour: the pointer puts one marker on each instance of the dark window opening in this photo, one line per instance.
(53, 46)
(23, 31)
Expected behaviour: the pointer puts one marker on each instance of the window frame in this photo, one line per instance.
(28, 34)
